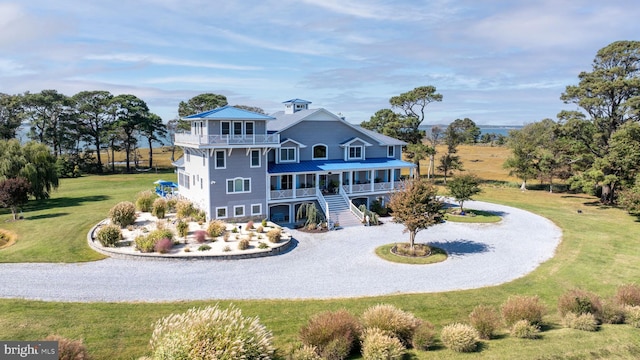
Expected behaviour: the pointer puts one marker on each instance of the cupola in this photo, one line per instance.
(294, 105)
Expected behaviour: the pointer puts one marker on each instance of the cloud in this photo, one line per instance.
(160, 60)
(18, 27)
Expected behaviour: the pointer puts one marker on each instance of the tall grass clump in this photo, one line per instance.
(159, 208)
(612, 312)
(304, 353)
(459, 337)
(581, 321)
(69, 349)
(392, 320)
(521, 307)
(274, 235)
(216, 228)
(628, 295)
(144, 200)
(334, 334)
(123, 214)
(486, 320)
(185, 209)
(523, 329)
(632, 316)
(377, 344)
(109, 235)
(424, 336)
(211, 333)
(163, 245)
(147, 244)
(579, 302)
(183, 228)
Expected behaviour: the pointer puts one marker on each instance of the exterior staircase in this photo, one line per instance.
(339, 211)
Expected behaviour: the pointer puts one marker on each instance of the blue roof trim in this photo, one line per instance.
(229, 113)
(297, 101)
(338, 165)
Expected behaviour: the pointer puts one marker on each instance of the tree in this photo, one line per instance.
(415, 101)
(33, 161)
(463, 188)
(417, 207)
(254, 109)
(94, 117)
(453, 136)
(418, 152)
(152, 129)
(14, 193)
(130, 113)
(395, 125)
(433, 138)
(197, 104)
(10, 115)
(468, 131)
(609, 95)
(50, 115)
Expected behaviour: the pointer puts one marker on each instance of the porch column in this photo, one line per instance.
(294, 184)
(371, 175)
(351, 181)
(393, 178)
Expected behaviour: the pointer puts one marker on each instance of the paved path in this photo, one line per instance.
(341, 263)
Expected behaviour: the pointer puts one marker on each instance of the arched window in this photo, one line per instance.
(320, 152)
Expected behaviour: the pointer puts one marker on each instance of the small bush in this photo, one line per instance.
(263, 223)
(171, 204)
(262, 245)
(423, 336)
(159, 208)
(518, 308)
(163, 245)
(583, 321)
(144, 244)
(632, 316)
(459, 337)
(144, 200)
(333, 333)
(183, 228)
(388, 318)
(158, 234)
(628, 295)
(204, 247)
(185, 209)
(260, 229)
(211, 333)
(123, 214)
(612, 313)
(523, 329)
(243, 244)
(378, 345)
(109, 235)
(69, 349)
(274, 235)
(250, 225)
(200, 236)
(216, 228)
(225, 249)
(580, 302)
(485, 320)
(304, 353)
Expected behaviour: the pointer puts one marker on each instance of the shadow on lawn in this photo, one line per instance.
(461, 247)
(45, 216)
(62, 202)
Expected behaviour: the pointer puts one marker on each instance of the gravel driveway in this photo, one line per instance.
(340, 263)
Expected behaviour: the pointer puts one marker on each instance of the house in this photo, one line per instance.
(240, 164)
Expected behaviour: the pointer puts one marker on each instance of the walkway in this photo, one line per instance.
(340, 263)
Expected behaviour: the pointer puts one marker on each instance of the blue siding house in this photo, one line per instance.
(238, 164)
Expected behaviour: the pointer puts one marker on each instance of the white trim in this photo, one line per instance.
(295, 154)
(348, 150)
(235, 214)
(215, 159)
(244, 191)
(393, 151)
(225, 122)
(226, 212)
(251, 159)
(253, 130)
(259, 210)
(233, 128)
(326, 155)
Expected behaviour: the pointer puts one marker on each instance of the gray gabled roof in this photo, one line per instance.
(229, 113)
(382, 139)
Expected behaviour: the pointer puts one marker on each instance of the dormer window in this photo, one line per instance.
(355, 152)
(288, 154)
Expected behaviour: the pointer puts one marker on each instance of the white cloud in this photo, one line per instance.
(160, 60)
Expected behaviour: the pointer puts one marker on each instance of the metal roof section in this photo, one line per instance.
(297, 101)
(289, 140)
(338, 165)
(228, 113)
(382, 139)
(352, 140)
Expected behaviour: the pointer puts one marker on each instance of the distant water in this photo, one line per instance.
(23, 135)
(484, 129)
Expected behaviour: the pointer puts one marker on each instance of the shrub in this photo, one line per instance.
(249, 225)
(628, 295)
(211, 333)
(612, 313)
(205, 247)
(200, 236)
(378, 345)
(144, 244)
(185, 209)
(159, 208)
(243, 244)
(583, 321)
(200, 216)
(274, 235)
(519, 307)
(263, 223)
(260, 229)
(183, 229)
(394, 321)
(144, 200)
(580, 302)
(486, 320)
(304, 353)
(632, 316)
(123, 214)
(216, 228)
(459, 337)
(171, 204)
(333, 333)
(225, 249)
(109, 235)
(69, 349)
(423, 336)
(163, 245)
(158, 234)
(262, 245)
(523, 329)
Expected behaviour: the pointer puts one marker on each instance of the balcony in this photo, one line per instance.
(226, 140)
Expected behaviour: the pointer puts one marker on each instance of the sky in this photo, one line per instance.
(495, 62)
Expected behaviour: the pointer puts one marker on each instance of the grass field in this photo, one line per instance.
(598, 253)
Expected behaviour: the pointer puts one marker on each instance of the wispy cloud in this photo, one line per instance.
(160, 60)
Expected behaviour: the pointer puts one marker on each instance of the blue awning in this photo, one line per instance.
(339, 165)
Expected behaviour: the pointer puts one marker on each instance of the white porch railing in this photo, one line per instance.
(323, 204)
(305, 192)
(354, 209)
(281, 194)
(188, 138)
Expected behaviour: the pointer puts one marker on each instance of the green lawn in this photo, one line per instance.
(474, 216)
(599, 251)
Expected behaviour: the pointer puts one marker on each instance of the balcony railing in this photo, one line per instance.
(355, 189)
(192, 139)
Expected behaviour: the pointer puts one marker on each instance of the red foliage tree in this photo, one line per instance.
(14, 193)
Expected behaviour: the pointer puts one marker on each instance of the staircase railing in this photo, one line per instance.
(323, 204)
(354, 209)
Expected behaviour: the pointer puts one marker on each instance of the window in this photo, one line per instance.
(221, 212)
(390, 151)
(255, 158)
(238, 185)
(286, 182)
(355, 152)
(220, 159)
(319, 152)
(201, 184)
(225, 128)
(248, 128)
(256, 209)
(188, 157)
(238, 210)
(288, 154)
(237, 128)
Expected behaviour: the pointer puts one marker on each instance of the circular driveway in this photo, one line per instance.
(339, 263)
